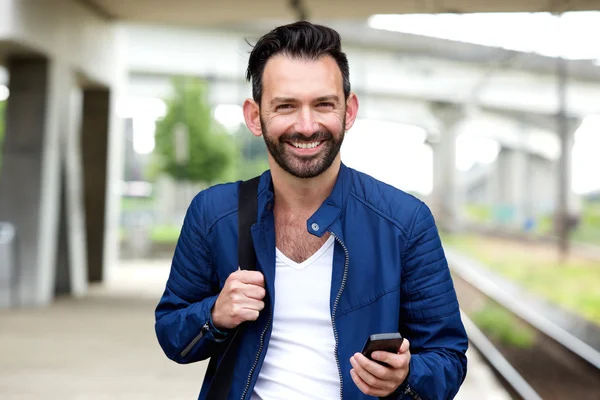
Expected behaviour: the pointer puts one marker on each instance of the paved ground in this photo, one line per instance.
(103, 347)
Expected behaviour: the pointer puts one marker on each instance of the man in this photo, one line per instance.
(340, 256)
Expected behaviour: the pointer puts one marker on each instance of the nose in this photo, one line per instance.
(306, 123)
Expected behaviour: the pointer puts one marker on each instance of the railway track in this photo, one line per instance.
(547, 362)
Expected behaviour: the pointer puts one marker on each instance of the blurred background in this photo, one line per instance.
(114, 114)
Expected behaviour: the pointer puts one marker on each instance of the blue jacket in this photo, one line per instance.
(389, 272)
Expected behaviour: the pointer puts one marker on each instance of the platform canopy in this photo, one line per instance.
(209, 12)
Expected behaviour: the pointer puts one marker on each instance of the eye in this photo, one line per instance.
(325, 104)
(283, 107)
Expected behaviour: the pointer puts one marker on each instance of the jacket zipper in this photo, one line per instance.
(335, 304)
(262, 342)
(190, 346)
(412, 393)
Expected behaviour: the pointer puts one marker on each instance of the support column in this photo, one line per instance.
(29, 146)
(566, 203)
(445, 195)
(510, 174)
(94, 144)
(72, 222)
(527, 181)
(40, 182)
(566, 206)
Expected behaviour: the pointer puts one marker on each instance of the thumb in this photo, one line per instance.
(405, 346)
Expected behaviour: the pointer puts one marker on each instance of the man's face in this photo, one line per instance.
(303, 114)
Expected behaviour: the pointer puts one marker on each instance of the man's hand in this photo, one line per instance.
(377, 380)
(240, 300)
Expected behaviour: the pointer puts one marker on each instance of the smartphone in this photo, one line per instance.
(389, 342)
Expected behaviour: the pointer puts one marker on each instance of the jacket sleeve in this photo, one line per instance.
(183, 315)
(430, 316)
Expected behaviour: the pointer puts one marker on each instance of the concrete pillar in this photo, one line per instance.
(27, 143)
(40, 169)
(511, 200)
(72, 177)
(527, 204)
(542, 177)
(94, 145)
(445, 193)
(62, 275)
(567, 203)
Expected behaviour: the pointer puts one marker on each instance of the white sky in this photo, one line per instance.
(573, 35)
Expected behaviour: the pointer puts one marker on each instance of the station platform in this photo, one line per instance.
(103, 347)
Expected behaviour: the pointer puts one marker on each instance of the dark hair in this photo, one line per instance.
(297, 40)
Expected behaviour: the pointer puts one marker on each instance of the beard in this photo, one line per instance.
(304, 166)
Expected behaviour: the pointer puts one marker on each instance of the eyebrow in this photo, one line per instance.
(279, 100)
(331, 97)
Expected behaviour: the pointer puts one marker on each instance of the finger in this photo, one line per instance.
(253, 291)
(405, 346)
(395, 361)
(359, 382)
(246, 289)
(251, 277)
(252, 304)
(364, 387)
(377, 370)
(367, 377)
(247, 314)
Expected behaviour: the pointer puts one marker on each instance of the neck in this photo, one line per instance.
(303, 195)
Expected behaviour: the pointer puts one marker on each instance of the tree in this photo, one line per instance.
(190, 144)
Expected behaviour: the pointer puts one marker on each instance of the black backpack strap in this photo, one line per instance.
(247, 211)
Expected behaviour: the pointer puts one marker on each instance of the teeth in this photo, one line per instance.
(306, 145)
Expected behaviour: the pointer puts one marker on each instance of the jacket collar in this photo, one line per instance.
(325, 216)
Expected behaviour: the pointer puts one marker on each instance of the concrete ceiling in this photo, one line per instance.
(209, 12)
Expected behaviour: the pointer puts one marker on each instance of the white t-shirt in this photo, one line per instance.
(300, 360)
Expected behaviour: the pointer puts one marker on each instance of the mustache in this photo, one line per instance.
(300, 138)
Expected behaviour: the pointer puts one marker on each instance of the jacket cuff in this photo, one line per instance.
(399, 392)
(404, 391)
(218, 335)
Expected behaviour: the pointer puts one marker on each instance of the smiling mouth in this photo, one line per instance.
(309, 145)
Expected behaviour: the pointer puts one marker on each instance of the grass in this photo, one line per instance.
(136, 204)
(588, 230)
(503, 326)
(573, 285)
(478, 213)
(159, 234)
(165, 234)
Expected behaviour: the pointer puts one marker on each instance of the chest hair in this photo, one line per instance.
(293, 239)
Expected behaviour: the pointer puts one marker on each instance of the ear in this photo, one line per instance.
(252, 117)
(351, 110)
